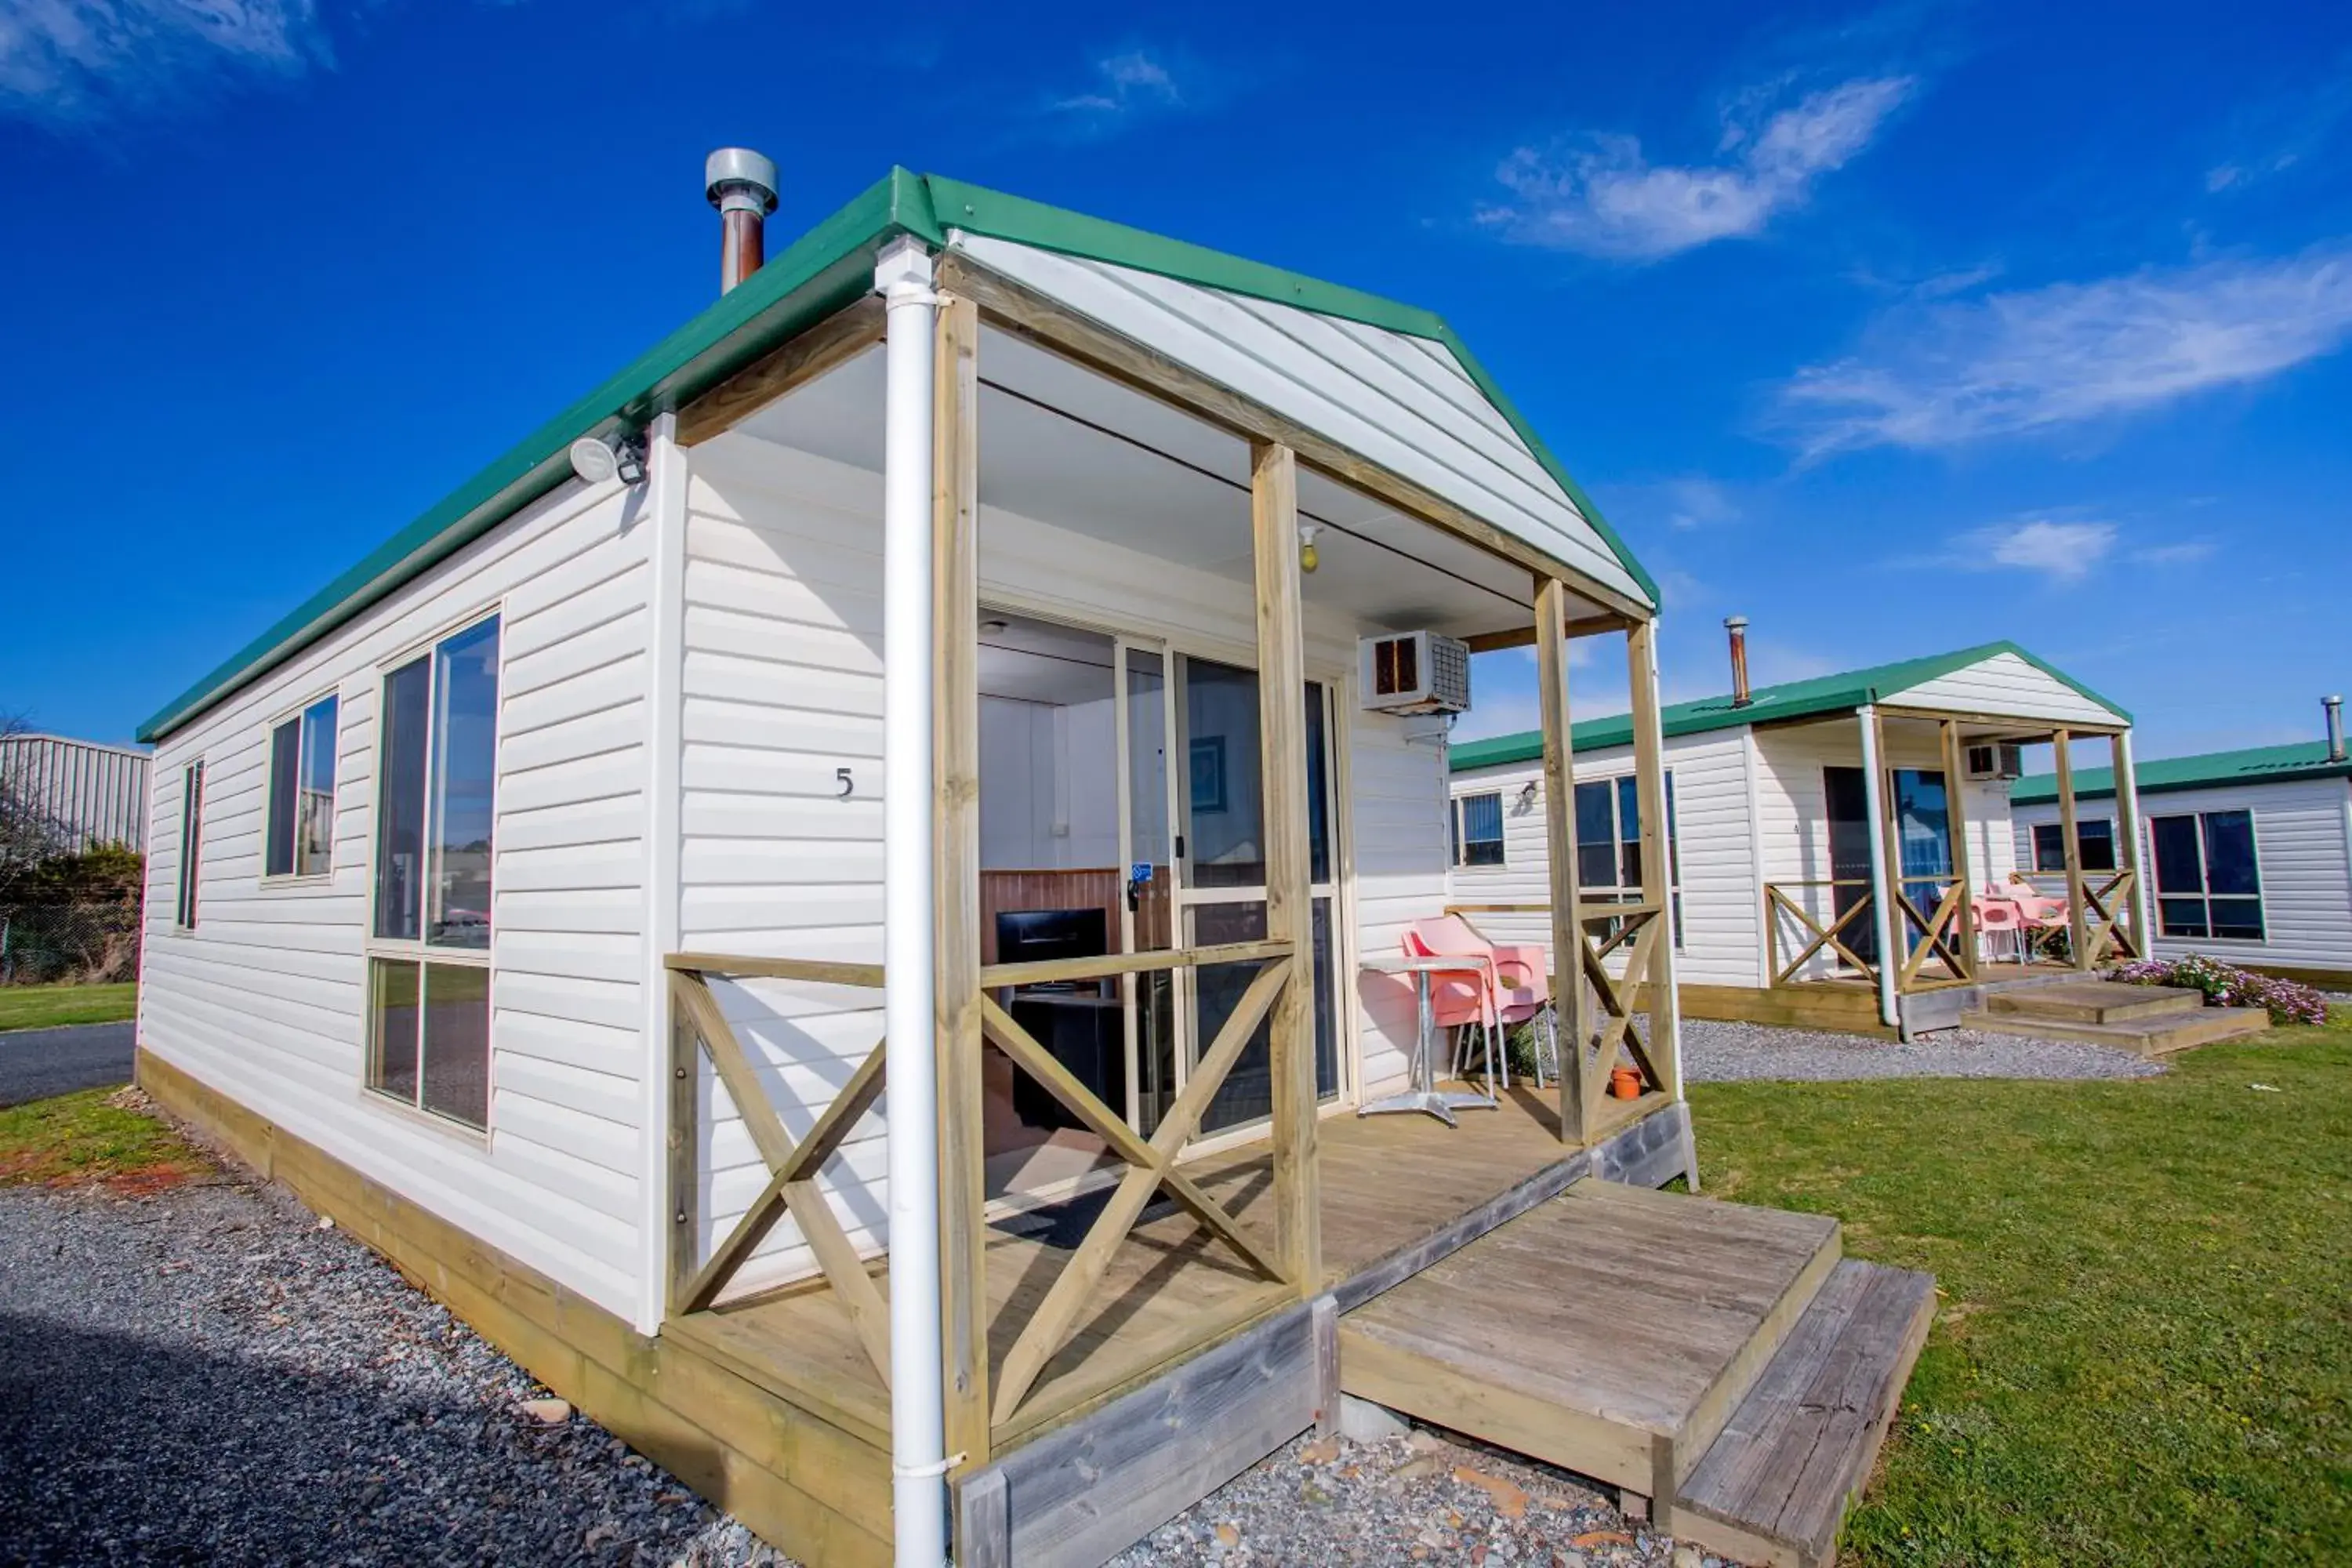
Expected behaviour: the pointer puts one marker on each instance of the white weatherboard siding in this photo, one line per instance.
(2301, 855)
(264, 1001)
(1401, 402)
(1719, 895)
(2005, 685)
(784, 686)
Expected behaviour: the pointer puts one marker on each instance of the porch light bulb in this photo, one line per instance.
(593, 461)
(1308, 559)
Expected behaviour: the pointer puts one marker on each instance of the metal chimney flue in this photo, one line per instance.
(742, 185)
(1737, 626)
(2334, 706)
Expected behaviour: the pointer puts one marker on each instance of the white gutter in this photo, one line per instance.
(1672, 1008)
(2126, 783)
(1882, 897)
(660, 512)
(918, 1462)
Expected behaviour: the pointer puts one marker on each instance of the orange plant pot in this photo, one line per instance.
(1625, 1083)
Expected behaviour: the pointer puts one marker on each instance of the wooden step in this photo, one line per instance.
(1610, 1331)
(1775, 1487)
(2156, 1036)
(2096, 1001)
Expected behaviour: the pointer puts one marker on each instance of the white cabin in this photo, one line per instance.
(2249, 853)
(1780, 842)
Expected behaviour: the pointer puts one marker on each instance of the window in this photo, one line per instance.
(192, 832)
(1608, 844)
(302, 831)
(429, 979)
(1478, 830)
(2095, 839)
(2207, 882)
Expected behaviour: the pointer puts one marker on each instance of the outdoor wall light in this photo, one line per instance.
(1528, 794)
(596, 459)
(1308, 559)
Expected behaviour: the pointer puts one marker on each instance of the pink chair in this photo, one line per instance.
(1514, 978)
(2000, 916)
(2040, 914)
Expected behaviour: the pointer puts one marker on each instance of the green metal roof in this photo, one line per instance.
(819, 273)
(2259, 764)
(1841, 692)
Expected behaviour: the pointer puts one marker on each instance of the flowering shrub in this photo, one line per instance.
(2225, 986)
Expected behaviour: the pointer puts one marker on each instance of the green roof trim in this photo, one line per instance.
(825, 270)
(1840, 692)
(2209, 770)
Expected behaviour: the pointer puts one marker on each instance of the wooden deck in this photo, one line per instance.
(1389, 1185)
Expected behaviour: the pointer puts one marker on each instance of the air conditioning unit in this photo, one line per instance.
(1414, 672)
(1996, 760)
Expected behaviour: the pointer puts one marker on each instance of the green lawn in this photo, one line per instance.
(71, 1139)
(2144, 1351)
(46, 1006)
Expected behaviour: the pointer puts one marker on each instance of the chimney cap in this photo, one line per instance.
(1735, 623)
(732, 170)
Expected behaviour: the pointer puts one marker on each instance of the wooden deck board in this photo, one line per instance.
(1608, 1323)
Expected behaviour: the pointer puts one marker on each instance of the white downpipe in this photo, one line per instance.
(1881, 896)
(2143, 902)
(917, 1413)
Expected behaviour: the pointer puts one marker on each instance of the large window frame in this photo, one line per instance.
(1473, 854)
(191, 843)
(1620, 843)
(2193, 913)
(437, 764)
(2094, 839)
(298, 833)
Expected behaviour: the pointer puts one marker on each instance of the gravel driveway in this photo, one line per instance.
(1716, 1052)
(204, 1375)
(37, 1063)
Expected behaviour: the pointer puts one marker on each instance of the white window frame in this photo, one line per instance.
(1614, 890)
(295, 717)
(1461, 845)
(2204, 895)
(418, 951)
(188, 875)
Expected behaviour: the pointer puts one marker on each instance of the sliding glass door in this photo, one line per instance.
(1220, 887)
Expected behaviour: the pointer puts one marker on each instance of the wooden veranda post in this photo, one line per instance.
(1289, 909)
(1955, 828)
(2126, 831)
(2078, 926)
(955, 732)
(1560, 846)
(1658, 855)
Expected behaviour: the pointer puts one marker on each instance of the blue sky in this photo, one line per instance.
(1896, 330)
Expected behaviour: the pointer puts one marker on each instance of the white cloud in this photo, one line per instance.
(1694, 502)
(2063, 551)
(1936, 375)
(63, 61)
(1603, 198)
(1123, 82)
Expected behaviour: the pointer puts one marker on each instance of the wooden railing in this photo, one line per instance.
(1923, 937)
(2110, 913)
(792, 1188)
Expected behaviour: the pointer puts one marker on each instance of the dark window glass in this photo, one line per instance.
(400, 802)
(1247, 1093)
(457, 1042)
(2183, 917)
(192, 833)
(2049, 847)
(2238, 919)
(1481, 831)
(2096, 841)
(1596, 834)
(1318, 809)
(2177, 869)
(2230, 853)
(1629, 832)
(465, 762)
(1674, 854)
(397, 1023)
(314, 817)
(284, 789)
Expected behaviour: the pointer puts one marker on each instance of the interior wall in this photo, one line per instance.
(1048, 785)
